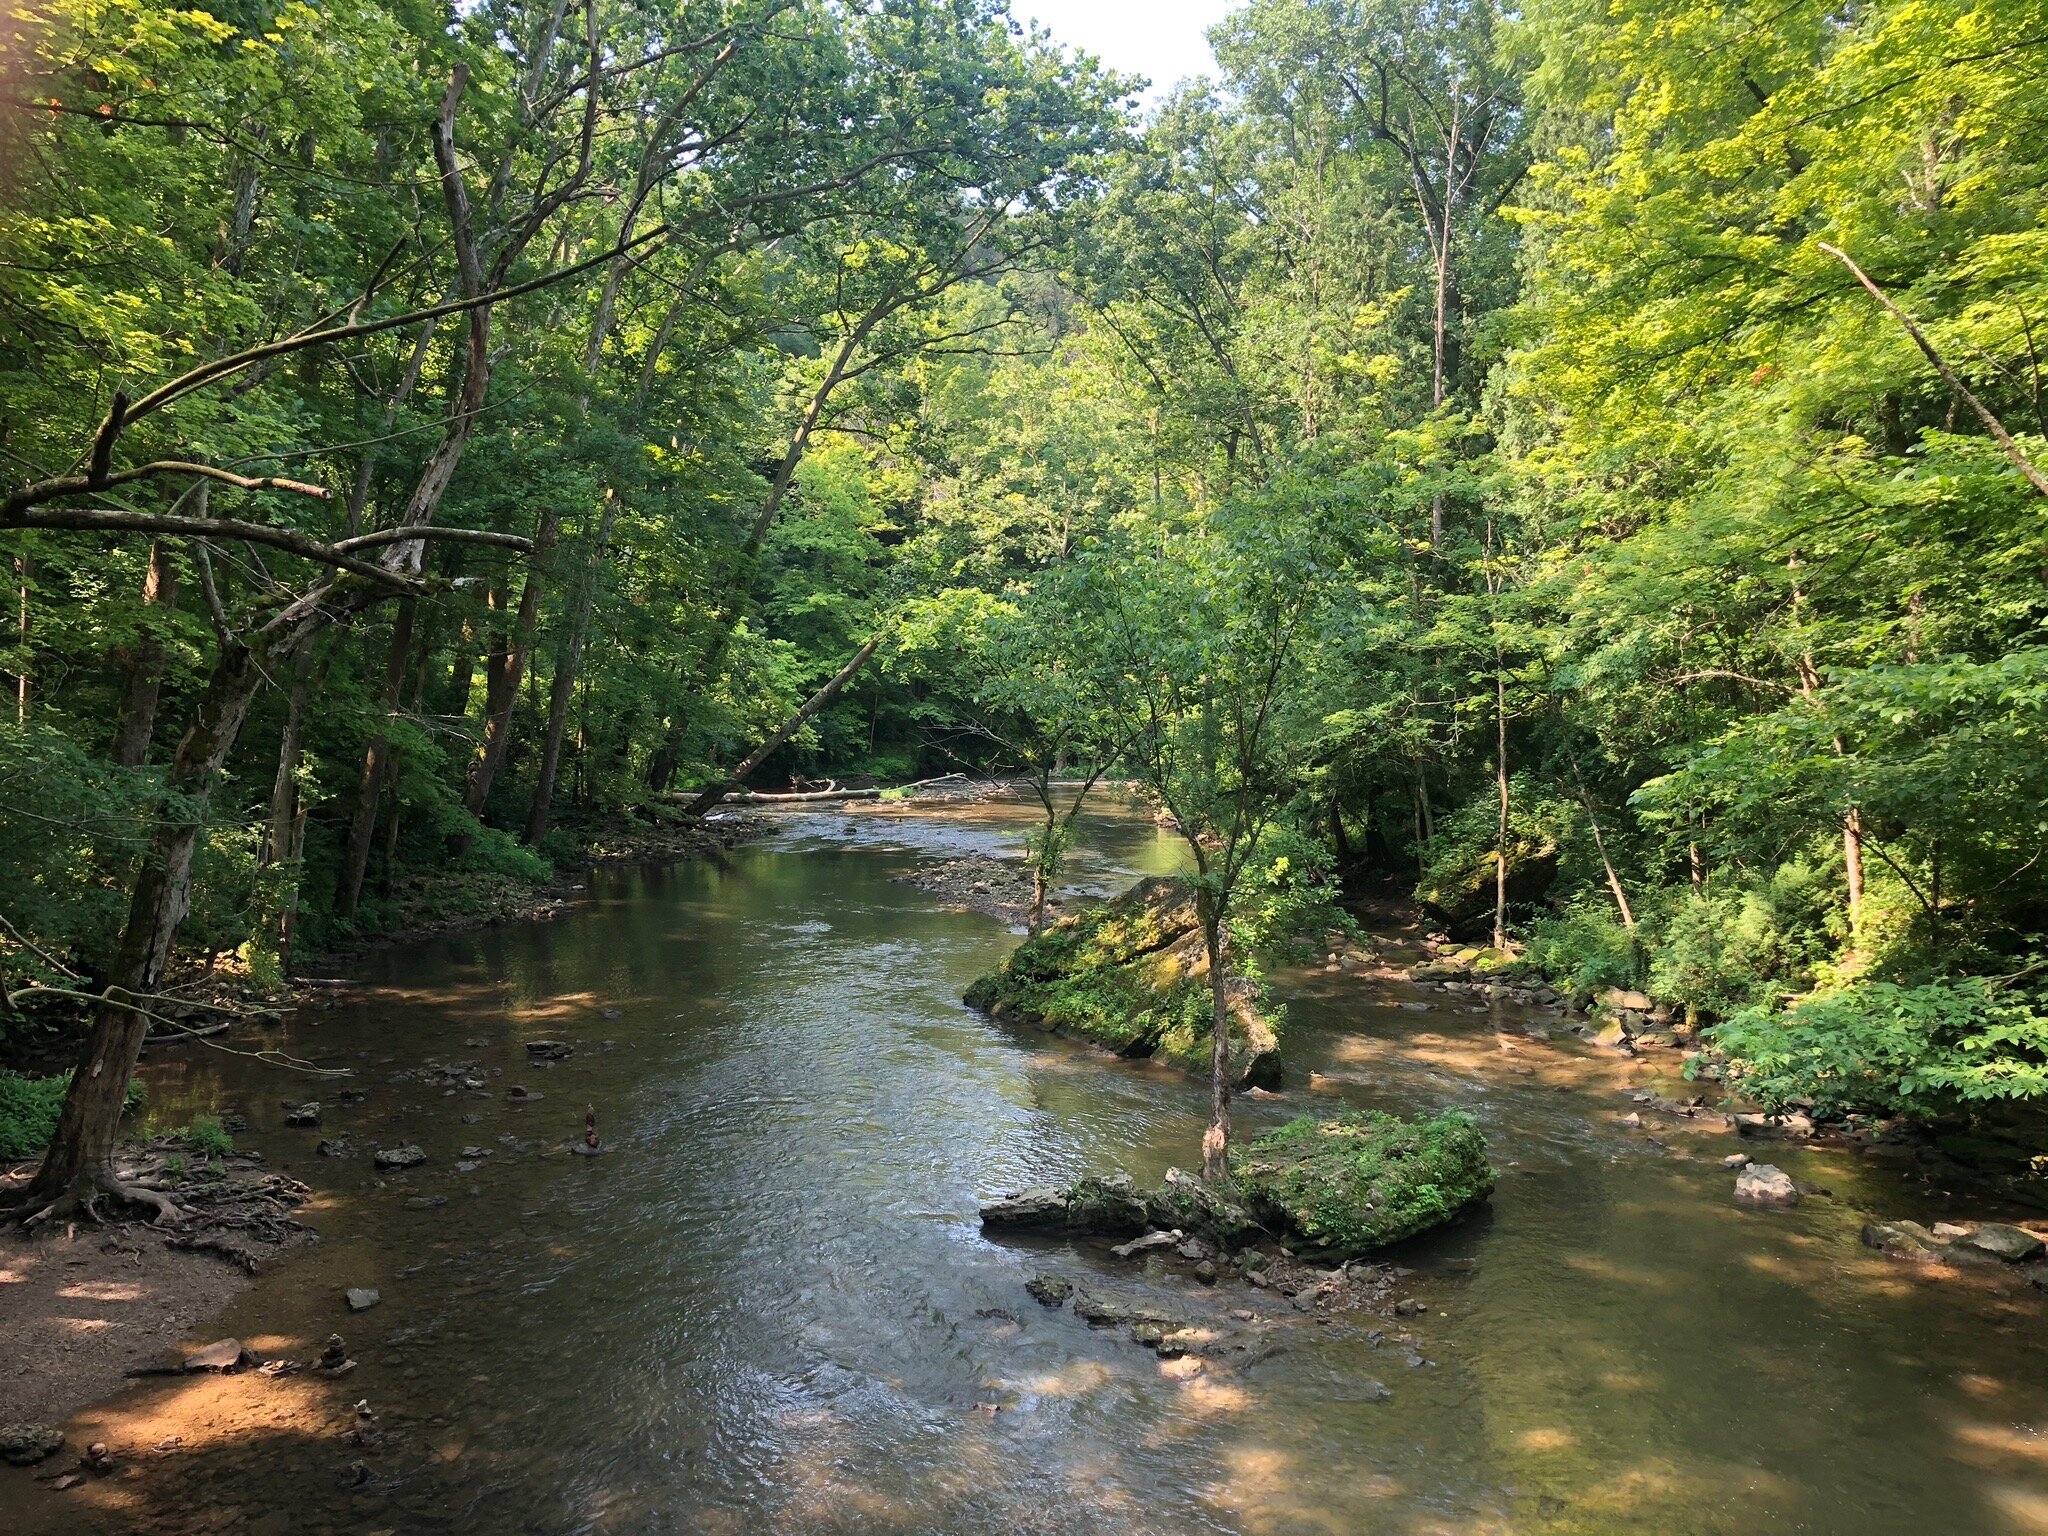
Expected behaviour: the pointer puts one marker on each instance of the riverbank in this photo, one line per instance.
(83, 1305)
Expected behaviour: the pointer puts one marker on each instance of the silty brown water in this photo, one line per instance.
(769, 1307)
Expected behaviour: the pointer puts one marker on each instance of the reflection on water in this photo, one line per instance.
(768, 1307)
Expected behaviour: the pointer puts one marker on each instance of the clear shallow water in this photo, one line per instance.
(769, 1307)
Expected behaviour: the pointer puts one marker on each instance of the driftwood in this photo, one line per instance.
(806, 797)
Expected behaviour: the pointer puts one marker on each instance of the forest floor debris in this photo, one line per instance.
(84, 1304)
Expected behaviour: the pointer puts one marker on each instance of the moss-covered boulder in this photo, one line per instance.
(1346, 1186)
(1132, 976)
(1460, 895)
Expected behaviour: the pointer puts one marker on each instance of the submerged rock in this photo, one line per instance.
(1049, 1290)
(394, 1158)
(1345, 1186)
(1904, 1240)
(361, 1298)
(1132, 977)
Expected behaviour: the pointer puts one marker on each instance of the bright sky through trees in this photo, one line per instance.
(1163, 40)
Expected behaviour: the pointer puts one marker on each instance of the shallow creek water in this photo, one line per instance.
(769, 1307)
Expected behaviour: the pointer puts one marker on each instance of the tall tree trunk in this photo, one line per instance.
(24, 568)
(79, 1163)
(376, 758)
(502, 691)
(564, 685)
(1500, 771)
(145, 675)
(285, 828)
(1216, 1140)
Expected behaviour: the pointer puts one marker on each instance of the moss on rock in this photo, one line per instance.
(1132, 977)
(1348, 1185)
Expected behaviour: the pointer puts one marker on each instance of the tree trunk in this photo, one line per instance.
(23, 569)
(796, 722)
(564, 685)
(286, 826)
(376, 757)
(79, 1164)
(502, 692)
(1216, 1140)
(1500, 769)
(145, 676)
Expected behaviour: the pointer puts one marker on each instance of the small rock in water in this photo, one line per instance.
(1206, 1272)
(27, 1444)
(1903, 1240)
(1049, 1290)
(2011, 1244)
(306, 1114)
(223, 1355)
(1949, 1231)
(1632, 1122)
(1765, 1185)
(1149, 1241)
(1409, 1307)
(1735, 1160)
(549, 1050)
(360, 1299)
(425, 1202)
(518, 1093)
(335, 1146)
(407, 1156)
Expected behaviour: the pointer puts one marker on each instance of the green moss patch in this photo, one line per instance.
(1132, 977)
(1361, 1181)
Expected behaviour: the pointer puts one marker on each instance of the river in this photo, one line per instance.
(768, 1306)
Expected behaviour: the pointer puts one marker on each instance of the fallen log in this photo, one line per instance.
(804, 797)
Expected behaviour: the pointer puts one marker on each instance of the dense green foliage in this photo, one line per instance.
(1448, 430)
(1358, 1182)
(28, 1111)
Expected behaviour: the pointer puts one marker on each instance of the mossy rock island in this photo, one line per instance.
(1334, 1189)
(1346, 1186)
(1132, 976)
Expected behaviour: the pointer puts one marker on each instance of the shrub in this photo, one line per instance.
(207, 1135)
(1586, 948)
(1876, 1045)
(1288, 899)
(29, 1107)
(1750, 946)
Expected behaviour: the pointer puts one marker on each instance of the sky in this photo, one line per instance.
(1160, 39)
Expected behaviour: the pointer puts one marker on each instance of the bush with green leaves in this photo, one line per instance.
(1289, 900)
(1924, 1050)
(29, 1107)
(1585, 947)
(206, 1135)
(1751, 944)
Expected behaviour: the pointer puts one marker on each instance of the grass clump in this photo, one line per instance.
(206, 1135)
(1360, 1181)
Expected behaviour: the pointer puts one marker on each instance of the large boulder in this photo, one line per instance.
(1097, 1207)
(1133, 977)
(1346, 1186)
(1459, 897)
